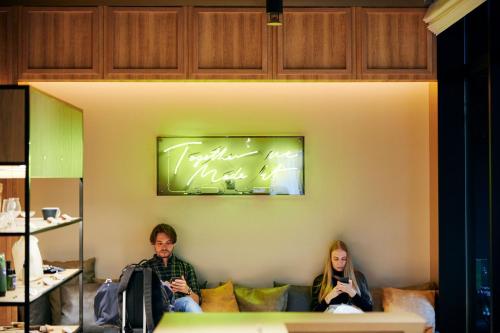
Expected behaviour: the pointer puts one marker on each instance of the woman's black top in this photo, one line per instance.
(363, 301)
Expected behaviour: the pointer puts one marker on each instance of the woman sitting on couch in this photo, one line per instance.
(340, 283)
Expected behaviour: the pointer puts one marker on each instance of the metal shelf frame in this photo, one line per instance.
(26, 304)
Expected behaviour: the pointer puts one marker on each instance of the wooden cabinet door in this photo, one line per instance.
(316, 43)
(61, 43)
(229, 43)
(145, 43)
(8, 50)
(12, 125)
(56, 137)
(394, 44)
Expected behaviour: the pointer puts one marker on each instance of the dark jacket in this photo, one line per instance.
(363, 301)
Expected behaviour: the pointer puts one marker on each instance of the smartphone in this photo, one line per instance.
(175, 278)
(344, 279)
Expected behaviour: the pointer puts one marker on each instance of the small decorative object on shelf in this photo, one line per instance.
(11, 277)
(3, 275)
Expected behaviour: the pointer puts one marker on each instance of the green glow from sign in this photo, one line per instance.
(231, 165)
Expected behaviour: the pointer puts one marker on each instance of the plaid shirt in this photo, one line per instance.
(175, 268)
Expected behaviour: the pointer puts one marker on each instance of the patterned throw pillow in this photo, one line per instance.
(220, 299)
(420, 302)
(261, 299)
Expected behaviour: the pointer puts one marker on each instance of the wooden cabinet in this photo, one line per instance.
(229, 43)
(182, 42)
(61, 43)
(316, 43)
(145, 42)
(8, 50)
(394, 44)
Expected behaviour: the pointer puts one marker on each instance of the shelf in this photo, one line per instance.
(63, 328)
(12, 170)
(16, 297)
(42, 137)
(51, 329)
(37, 225)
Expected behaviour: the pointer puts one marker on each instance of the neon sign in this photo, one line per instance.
(230, 165)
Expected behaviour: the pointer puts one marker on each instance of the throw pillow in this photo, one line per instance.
(55, 295)
(261, 299)
(299, 297)
(420, 302)
(40, 311)
(70, 304)
(220, 299)
(376, 299)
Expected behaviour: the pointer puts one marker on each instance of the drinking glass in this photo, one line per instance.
(14, 207)
(4, 205)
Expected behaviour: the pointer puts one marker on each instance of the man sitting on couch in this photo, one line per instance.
(174, 272)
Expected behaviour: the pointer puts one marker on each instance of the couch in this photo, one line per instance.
(61, 305)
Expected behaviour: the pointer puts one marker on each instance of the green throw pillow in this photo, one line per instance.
(261, 299)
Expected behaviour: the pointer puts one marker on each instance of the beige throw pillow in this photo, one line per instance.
(420, 302)
(220, 299)
(55, 295)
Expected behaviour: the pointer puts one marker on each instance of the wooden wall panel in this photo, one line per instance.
(229, 43)
(142, 42)
(394, 44)
(8, 40)
(12, 121)
(61, 43)
(11, 188)
(316, 43)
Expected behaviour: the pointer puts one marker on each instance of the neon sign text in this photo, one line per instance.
(230, 165)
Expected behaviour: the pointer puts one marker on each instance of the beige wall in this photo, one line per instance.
(366, 179)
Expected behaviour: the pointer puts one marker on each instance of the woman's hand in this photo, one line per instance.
(332, 294)
(346, 288)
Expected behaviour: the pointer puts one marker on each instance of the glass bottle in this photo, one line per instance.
(3, 275)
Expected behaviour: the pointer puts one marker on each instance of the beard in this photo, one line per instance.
(164, 254)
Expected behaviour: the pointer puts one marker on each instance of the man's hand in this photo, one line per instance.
(180, 286)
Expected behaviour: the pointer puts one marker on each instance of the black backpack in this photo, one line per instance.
(138, 283)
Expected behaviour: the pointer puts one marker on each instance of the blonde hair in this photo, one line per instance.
(326, 283)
